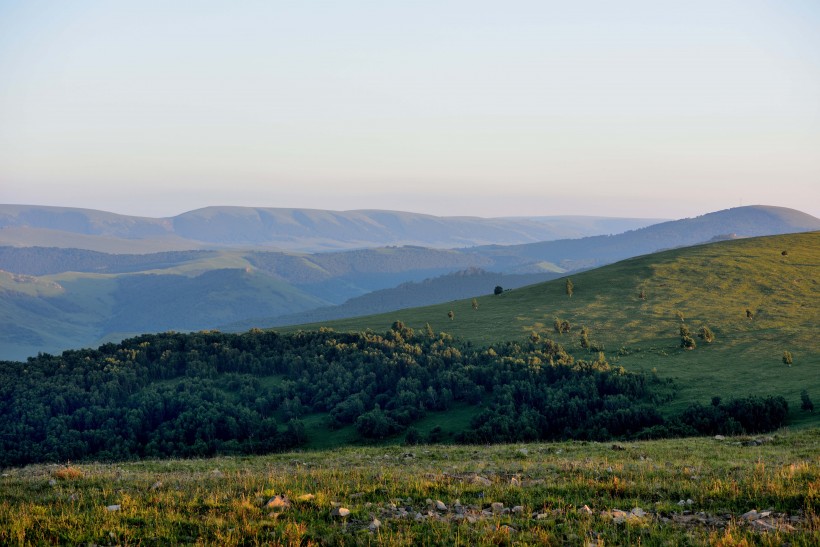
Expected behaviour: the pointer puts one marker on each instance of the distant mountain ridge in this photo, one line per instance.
(304, 230)
(55, 298)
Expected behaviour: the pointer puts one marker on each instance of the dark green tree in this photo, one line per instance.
(807, 405)
(498, 290)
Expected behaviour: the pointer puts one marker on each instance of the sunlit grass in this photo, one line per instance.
(222, 501)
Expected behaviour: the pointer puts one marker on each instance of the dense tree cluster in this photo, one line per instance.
(204, 393)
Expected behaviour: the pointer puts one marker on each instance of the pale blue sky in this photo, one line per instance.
(654, 108)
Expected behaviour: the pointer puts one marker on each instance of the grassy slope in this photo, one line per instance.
(710, 284)
(566, 492)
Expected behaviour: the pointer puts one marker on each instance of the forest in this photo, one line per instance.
(206, 393)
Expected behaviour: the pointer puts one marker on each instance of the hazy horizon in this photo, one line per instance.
(630, 109)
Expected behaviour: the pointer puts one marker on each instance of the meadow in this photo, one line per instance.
(694, 491)
(775, 278)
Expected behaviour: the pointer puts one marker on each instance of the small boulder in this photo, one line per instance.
(481, 481)
(156, 486)
(306, 497)
(340, 512)
(375, 525)
(112, 508)
(278, 503)
(440, 506)
(497, 507)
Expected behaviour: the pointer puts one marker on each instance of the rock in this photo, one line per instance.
(515, 481)
(586, 509)
(689, 502)
(523, 451)
(340, 512)
(156, 486)
(617, 447)
(278, 503)
(482, 481)
(356, 495)
(518, 509)
(112, 508)
(750, 515)
(509, 529)
(719, 437)
(73, 497)
(682, 503)
(497, 507)
(52, 482)
(542, 516)
(217, 473)
(375, 525)
(306, 497)
(440, 505)
(638, 512)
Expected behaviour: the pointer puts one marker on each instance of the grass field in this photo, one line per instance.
(709, 285)
(672, 492)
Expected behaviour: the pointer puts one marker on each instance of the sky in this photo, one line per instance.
(632, 108)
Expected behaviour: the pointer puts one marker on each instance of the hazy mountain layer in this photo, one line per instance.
(307, 230)
(54, 298)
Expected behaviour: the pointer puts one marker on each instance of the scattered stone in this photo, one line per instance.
(73, 497)
(689, 502)
(278, 503)
(497, 507)
(751, 515)
(482, 481)
(112, 508)
(638, 512)
(515, 481)
(52, 482)
(617, 447)
(719, 437)
(509, 529)
(340, 512)
(518, 509)
(440, 505)
(523, 451)
(308, 497)
(156, 486)
(375, 525)
(356, 495)
(217, 473)
(542, 516)
(586, 509)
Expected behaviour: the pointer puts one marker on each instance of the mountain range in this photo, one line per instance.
(53, 298)
(303, 230)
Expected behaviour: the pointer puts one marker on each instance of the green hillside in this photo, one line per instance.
(710, 285)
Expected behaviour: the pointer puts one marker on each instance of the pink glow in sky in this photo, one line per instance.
(652, 109)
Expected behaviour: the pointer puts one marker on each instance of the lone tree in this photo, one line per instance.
(642, 296)
(451, 314)
(686, 340)
(498, 290)
(475, 304)
(787, 358)
(570, 287)
(807, 405)
(706, 334)
(584, 338)
(749, 314)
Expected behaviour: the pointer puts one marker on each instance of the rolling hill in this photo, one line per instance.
(712, 285)
(106, 296)
(304, 230)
